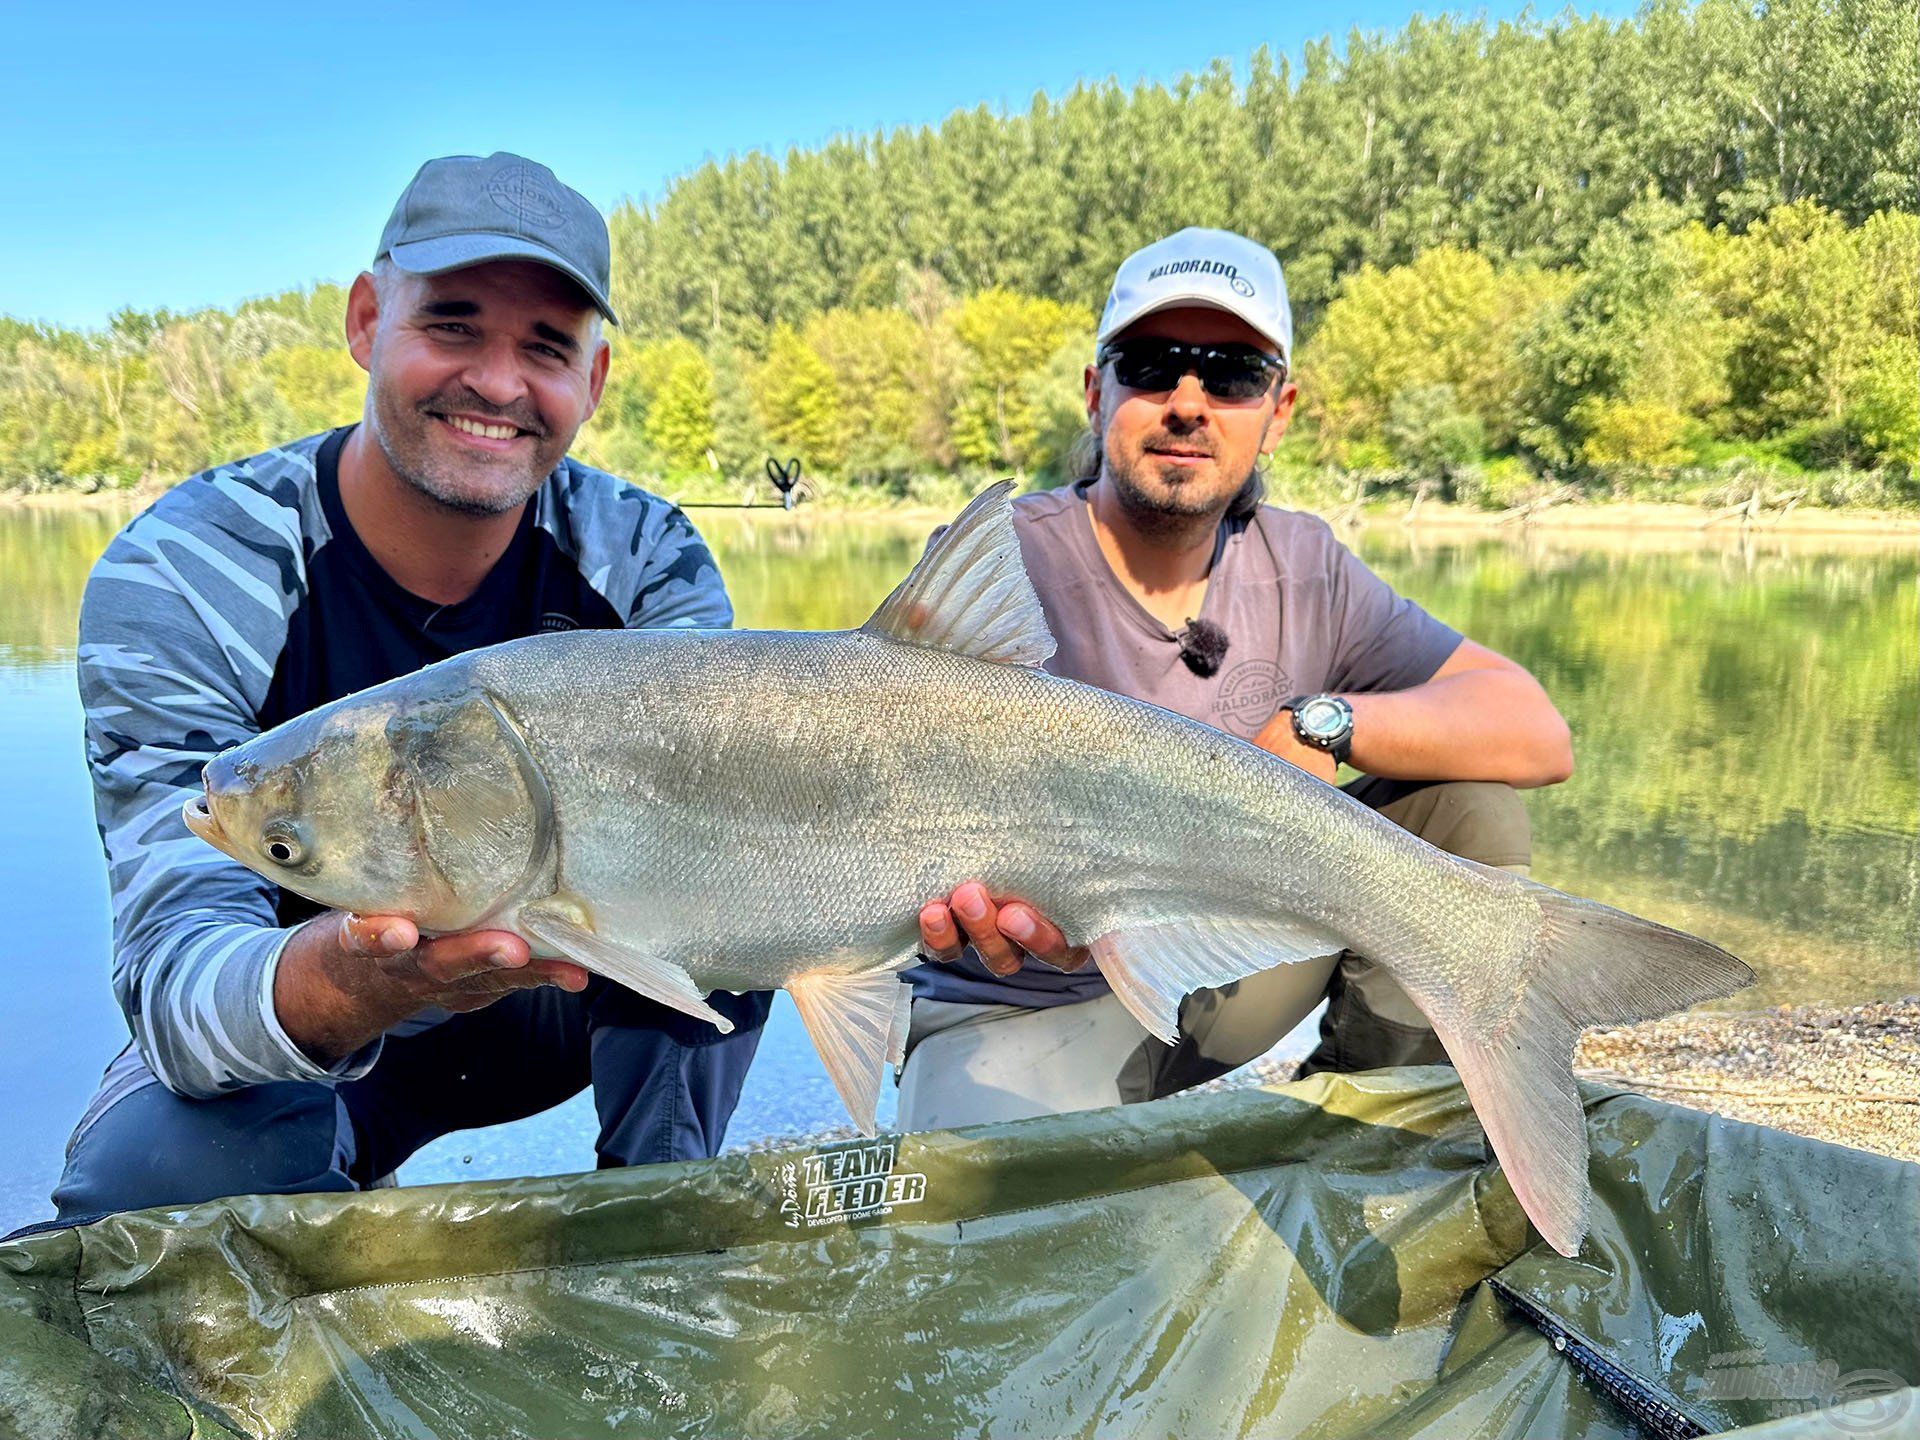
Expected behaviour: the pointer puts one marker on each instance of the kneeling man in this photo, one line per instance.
(275, 1049)
(1164, 577)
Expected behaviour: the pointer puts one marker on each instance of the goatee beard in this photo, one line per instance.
(1175, 510)
(471, 505)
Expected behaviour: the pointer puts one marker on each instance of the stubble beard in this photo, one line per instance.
(481, 488)
(1163, 504)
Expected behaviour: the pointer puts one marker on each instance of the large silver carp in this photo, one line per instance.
(691, 811)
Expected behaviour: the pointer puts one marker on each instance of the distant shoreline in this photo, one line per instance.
(1658, 518)
(1605, 519)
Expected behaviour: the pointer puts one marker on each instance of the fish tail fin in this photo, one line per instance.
(1589, 965)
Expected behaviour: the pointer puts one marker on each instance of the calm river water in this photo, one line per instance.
(1746, 720)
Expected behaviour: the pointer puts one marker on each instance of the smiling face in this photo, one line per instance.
(478, 379)
(1182, 453)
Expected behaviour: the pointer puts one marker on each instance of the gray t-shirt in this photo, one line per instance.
(1301, 614)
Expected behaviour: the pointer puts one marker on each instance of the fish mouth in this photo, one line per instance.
(201, 820)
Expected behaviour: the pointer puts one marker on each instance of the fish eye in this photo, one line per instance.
(283, 844)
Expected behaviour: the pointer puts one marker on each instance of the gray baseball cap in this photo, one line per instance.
(461, 210)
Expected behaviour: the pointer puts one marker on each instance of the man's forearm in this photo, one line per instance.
(1479, 724)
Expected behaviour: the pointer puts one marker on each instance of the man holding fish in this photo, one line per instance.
(276, 1048)
(1163, 577)
(703, 815)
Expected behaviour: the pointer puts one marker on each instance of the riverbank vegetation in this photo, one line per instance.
(1670, 258)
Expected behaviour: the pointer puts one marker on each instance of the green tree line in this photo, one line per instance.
(1650, 256)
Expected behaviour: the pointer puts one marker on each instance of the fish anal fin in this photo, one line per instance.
(970, 593)
(859, 1025)
(1152, 968)
(563, 924)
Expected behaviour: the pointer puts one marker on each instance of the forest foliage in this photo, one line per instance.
(1657, 256)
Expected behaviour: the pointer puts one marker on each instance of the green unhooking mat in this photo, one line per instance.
(1335, 1258)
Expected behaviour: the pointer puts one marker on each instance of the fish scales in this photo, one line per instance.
(689, 812)
(829, 785)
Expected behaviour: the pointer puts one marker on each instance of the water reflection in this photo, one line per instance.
(45, 554)
(1746, 713)
(1747, 724)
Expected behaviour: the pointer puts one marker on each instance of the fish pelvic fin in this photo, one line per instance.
(970, 592)
(563, 926)
(1590, 965)
(1152, 968)
(859, 1025)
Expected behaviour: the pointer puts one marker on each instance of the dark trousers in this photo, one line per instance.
(664, 1084)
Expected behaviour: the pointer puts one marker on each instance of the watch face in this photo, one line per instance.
(1323, 717)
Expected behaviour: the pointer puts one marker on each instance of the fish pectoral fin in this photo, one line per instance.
(657, 979)
(859, 1025)
(970, 593)
(1152, 968)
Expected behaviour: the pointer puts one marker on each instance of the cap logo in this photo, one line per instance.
(1230, 273)
(523, 193)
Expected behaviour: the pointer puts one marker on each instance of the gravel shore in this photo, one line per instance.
(1849, 1074)
(1846, 1074)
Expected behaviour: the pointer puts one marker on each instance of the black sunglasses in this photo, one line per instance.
(1227, 372)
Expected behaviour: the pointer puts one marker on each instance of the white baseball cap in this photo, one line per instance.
(1214, 268)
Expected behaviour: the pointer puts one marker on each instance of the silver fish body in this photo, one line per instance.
(689, 812)
(753, 806)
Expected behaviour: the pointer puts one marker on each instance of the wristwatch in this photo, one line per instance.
(1323, 721)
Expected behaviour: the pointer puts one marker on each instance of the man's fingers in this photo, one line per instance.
(998, 933)
(449, 958)
(377, 934)
(939, 936)
(564, 973)
(1039, 936)
(979, 918)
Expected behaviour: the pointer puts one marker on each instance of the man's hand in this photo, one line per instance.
(344, 979)
(1277, 737)
(998, 931)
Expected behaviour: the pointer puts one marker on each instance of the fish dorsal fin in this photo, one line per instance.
(970, 592)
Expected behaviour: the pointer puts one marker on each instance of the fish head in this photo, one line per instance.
(420, 800)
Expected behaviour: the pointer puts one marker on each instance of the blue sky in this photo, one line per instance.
(159, 157)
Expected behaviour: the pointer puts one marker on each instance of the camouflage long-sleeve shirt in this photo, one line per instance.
(241, 598)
